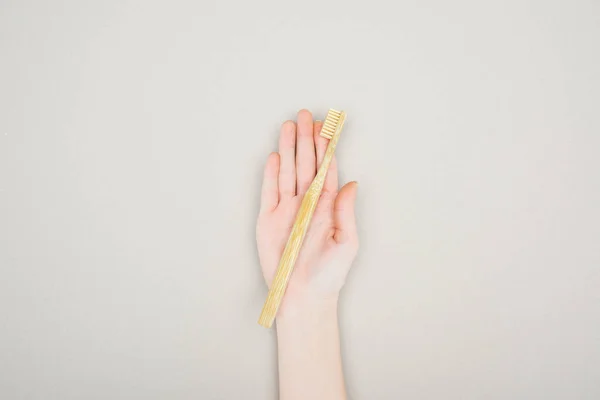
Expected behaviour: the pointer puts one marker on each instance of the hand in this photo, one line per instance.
(331, 242)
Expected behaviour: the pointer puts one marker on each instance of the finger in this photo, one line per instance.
(343, 213)
(270, 193)
(305, 152)
(320, 142)
(287, 160)
(331, 179)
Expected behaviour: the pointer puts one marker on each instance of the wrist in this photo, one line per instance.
(308, 349)
(307, 310)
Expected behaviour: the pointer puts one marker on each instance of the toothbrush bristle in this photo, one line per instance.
(331, 123)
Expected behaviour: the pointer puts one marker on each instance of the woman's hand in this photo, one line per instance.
(331, 242)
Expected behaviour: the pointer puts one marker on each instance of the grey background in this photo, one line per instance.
(132, 139)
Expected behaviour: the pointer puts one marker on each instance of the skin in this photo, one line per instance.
(307, 322)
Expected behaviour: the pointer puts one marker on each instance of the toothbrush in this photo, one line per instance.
(331, 130)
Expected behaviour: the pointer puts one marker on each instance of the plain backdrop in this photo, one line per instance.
(132, 140)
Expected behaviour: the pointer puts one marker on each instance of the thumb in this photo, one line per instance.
(343, 213)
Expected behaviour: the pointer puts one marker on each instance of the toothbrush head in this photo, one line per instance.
(333, 123)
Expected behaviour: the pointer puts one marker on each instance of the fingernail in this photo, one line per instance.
(318, 121)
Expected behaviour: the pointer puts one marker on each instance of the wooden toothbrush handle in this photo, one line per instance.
(288, 259)
(294, 243)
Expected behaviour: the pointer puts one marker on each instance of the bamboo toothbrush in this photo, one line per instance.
(331, 130)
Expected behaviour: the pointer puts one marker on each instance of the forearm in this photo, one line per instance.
(310, 365)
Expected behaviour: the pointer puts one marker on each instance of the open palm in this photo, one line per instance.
(331, 241)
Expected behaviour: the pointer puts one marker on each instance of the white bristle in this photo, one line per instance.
(331, 122)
